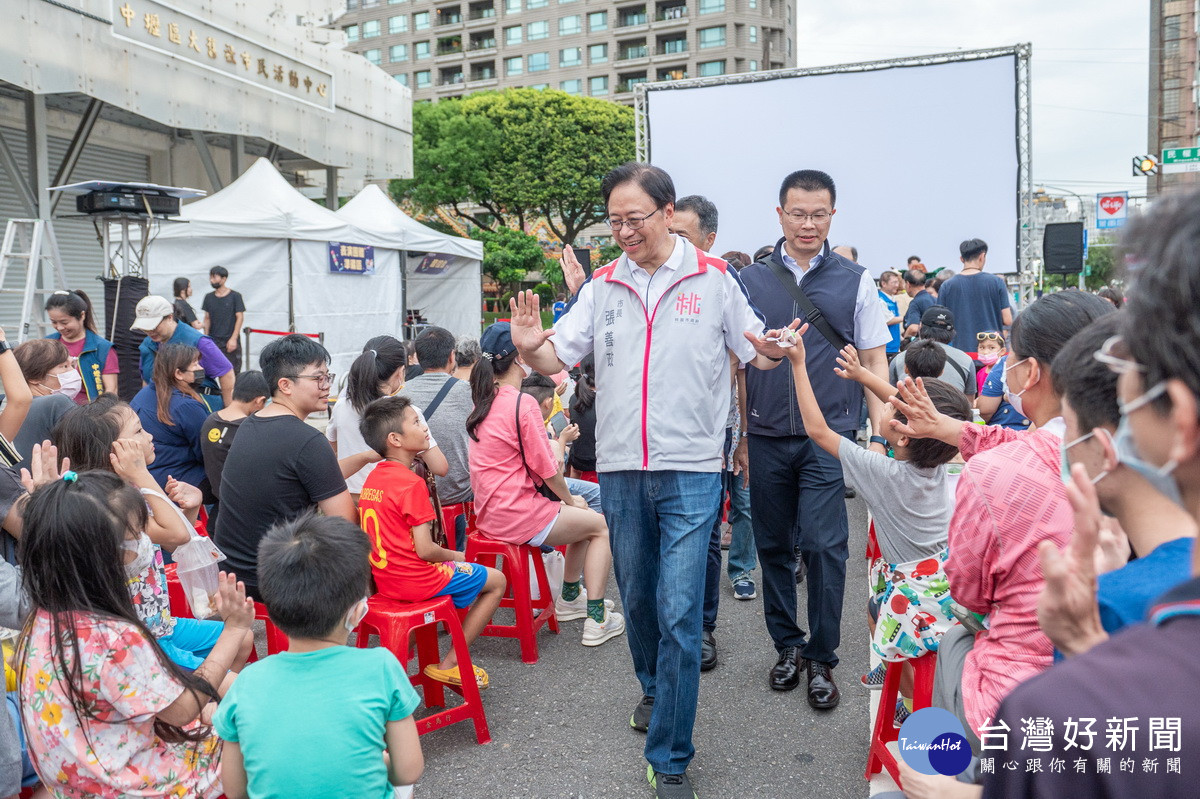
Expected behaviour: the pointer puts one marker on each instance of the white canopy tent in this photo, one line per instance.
(441, 272)
(279, 248)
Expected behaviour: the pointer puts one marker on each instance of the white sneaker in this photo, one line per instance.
(576, 608)
(595, 634)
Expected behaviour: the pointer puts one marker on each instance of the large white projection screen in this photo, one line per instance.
(923, 157)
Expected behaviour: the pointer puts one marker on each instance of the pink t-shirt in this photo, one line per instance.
(1010, 498)
(111, 367)
(507, 504)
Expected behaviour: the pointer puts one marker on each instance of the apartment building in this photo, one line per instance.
(600, 49)
(1174, 89)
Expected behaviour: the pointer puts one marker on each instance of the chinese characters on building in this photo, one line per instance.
(194, 39)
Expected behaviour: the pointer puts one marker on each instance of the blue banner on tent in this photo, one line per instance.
(351, 259)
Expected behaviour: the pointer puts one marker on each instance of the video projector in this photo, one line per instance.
(106, 196)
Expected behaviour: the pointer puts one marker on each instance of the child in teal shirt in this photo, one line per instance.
(321, 719)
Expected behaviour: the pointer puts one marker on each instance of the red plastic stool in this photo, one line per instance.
(531, 614)
(276, 641)
(394, 622)
(878, 756)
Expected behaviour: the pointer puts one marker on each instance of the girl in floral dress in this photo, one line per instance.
(106, 712)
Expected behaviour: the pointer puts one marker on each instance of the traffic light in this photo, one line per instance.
(1144, 165)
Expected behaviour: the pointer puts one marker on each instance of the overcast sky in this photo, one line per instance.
(1090, 69)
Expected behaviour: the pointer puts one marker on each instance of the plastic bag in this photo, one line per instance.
(196, 566)
(556, 565)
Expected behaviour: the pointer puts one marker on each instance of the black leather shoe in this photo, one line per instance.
(708, 651)
(822, 690)
(801, 569)
(785, 674)
(850, 493)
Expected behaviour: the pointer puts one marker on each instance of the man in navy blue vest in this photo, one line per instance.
(796, 488)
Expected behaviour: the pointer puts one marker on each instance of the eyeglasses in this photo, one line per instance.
(323, 381)
(633, 223)
(989, 336)
(816, 219)
(1117, 363)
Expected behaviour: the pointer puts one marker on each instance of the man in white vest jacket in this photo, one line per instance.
(660, 321)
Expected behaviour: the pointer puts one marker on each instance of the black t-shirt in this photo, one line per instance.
(222, 315)
(583, 450)
(216, 437)
(184, 312)
(278, 468)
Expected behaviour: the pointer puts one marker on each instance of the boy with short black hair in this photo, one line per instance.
(313, 721)
(219, 429)
(924, 358)
(395, 514)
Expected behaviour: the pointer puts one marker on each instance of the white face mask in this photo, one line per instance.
(1013, 399)
(143, 548)
(527, 369)
(356, 615)
(69, 383)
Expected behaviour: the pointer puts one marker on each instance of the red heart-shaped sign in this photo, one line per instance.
(1112, 205)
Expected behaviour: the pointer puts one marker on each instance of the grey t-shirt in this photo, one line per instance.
(448, 424)
(958, 372)
(911, 505)
(43, 414)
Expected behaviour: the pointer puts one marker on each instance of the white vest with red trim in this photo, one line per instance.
(662, 374)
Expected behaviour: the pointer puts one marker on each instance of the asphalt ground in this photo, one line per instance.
(560, 727)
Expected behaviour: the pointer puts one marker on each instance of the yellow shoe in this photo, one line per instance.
(453, 677)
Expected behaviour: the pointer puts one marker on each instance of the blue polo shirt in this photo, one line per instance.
(1006, 415)
(893, 346)
(177, 451)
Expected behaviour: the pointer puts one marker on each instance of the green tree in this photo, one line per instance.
(1101, 263)
(508, 254)
(517, 154)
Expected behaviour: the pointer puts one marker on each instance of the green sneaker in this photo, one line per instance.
(670, 786)
(640, 720)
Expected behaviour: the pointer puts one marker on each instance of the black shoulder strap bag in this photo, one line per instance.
(441, 395)
(812, 314)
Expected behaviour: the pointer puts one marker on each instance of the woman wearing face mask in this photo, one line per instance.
(377, 372)
(510, 457)
(53, 381)
(172, 412)
(1010, 497)
(75, 326)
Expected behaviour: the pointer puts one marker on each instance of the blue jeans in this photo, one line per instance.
(742, 556)
(589, 491)
(659, 524)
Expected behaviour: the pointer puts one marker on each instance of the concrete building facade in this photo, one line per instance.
(1174, 95)
(587, 47)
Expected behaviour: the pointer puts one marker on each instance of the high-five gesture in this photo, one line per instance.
(573, 274)
(526, 323)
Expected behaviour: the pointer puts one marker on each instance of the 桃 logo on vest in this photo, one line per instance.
(687, 304)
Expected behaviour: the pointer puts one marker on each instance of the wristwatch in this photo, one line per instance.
(4, 346)
(883, 442)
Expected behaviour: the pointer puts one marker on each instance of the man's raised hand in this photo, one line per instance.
(526, 323)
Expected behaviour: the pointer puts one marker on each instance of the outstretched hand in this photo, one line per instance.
(526, 322)
(1068, 611)
(43, 466)
(231, 602)
(775, 344)
(849, 366)
(573, 273)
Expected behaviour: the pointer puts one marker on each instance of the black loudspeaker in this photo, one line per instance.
(1062, 248)
(121, 296)
(584, 256)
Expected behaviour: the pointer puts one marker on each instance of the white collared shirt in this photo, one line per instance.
(651, 287)
(870, 320)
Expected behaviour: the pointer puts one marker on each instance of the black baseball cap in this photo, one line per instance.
(938, 316)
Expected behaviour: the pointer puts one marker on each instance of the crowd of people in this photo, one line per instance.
(1032, 480)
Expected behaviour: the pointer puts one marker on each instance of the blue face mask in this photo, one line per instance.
(1066, 463)
(1158, 476)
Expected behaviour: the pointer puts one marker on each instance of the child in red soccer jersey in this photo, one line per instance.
(395, 512)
